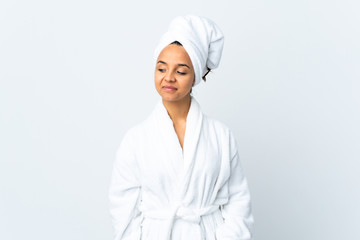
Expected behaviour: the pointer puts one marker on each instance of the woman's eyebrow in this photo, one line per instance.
(183, 65)
(180, 64)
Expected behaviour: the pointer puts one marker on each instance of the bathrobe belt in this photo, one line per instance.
(192, 215)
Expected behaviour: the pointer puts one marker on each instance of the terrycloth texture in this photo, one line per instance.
(201, 38)
(160, 191)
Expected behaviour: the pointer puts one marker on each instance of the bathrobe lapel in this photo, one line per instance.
(192, 134)
(181, 161)
(169, 142)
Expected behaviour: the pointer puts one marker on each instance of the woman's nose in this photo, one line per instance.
(169, 76)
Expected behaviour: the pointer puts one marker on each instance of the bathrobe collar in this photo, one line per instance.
(182, 159)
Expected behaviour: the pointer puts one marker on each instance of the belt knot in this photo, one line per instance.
(189, 214)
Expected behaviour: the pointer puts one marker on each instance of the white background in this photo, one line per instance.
(75, 75)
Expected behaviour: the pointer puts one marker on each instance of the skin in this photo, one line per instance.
(174, 77)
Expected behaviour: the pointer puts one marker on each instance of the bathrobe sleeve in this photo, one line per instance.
(124, 192)
(238, 218)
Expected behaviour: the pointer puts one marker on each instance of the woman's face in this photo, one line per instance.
(174, 73)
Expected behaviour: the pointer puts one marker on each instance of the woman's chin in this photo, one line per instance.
(169, 98)
(173, 98)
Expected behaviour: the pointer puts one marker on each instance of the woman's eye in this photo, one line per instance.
(161, 70)
(181, 73)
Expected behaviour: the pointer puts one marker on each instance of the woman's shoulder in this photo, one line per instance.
(138, 129)
(216, 124)
(223, 130)
(135, 130)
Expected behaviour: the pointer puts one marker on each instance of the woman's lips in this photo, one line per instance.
(169, 88)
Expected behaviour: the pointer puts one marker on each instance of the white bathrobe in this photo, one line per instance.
(160, 191)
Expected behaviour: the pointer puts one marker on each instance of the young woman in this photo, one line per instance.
(177, 175)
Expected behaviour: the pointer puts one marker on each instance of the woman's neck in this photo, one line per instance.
(178, 110)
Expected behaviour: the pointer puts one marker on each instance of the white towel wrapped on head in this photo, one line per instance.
(201, 38)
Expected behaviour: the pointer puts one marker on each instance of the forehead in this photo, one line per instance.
(174, 54)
